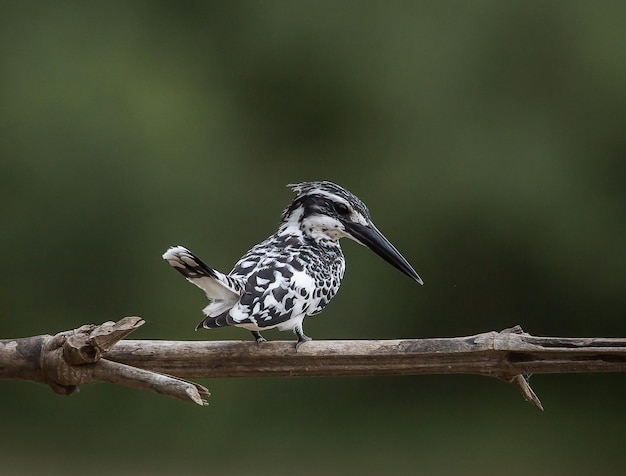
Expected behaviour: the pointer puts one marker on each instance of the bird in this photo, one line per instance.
(296, 271)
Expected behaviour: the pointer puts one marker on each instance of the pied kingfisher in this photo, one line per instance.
(296, 271)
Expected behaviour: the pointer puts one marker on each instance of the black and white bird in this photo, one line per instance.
(295, 272)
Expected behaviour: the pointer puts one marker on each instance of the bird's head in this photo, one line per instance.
(324, 211)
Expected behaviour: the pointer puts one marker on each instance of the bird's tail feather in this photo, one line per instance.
(187, 264)
(218, 287)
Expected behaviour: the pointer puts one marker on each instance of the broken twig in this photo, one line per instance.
(73, 358)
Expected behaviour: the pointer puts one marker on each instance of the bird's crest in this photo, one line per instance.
(327, 190)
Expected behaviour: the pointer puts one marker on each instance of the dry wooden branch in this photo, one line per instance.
(507, 355)
(72, 358)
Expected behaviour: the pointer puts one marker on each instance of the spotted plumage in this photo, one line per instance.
(295, 272)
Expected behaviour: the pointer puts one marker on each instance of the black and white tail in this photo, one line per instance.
(219, 288)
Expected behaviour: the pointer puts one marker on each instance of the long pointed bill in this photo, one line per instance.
(376, 241)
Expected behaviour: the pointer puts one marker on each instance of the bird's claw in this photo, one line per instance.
(258, 337)
(301, 340)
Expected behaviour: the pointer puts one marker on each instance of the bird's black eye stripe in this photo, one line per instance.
(341, 208)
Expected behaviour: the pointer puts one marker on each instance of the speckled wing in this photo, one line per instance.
(274, 293)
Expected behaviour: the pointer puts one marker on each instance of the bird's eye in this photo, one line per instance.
(341, 209)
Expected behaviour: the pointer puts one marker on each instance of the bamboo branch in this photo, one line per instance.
(507, 355)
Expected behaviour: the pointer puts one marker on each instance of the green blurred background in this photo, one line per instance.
(487, 137)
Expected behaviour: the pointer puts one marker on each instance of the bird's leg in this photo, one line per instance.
(258, 337)
(301, 337)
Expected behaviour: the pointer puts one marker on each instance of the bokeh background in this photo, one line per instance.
(487, 137)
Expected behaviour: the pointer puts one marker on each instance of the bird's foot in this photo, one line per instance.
(258, 337)
(301, 338)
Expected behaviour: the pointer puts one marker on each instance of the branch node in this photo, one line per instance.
(108, 334)
(73, 358)
(517, 329)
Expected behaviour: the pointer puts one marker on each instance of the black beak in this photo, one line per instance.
(376, 241)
